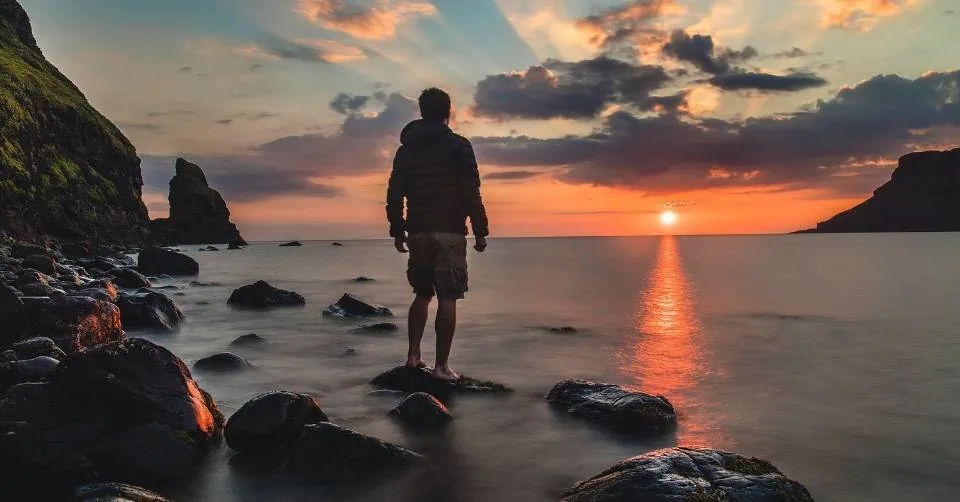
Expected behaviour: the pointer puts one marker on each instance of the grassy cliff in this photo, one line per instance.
(65, 170)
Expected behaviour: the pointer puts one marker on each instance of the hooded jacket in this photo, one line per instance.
(435, 170)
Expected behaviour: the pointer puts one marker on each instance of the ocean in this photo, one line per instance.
(833, 356)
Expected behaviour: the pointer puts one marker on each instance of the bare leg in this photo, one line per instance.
(416, 323)
(446, 325)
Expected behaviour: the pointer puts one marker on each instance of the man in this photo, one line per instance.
(436, 172)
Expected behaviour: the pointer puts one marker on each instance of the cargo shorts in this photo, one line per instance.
(437, 265)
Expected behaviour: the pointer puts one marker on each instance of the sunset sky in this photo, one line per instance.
(588, 117)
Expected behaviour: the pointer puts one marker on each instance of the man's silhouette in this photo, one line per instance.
(436, 172)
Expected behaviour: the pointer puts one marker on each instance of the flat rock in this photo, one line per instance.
(269, 424)
(263, 295)
(116, 492)
(291, 244)
(353, 306)
(149, 309)
(614, 406)
(222, 362)
(363, 279)
(421, 410)
(419, 380)
(328, 451)
(380, 327)
(156, 260)
(689, 474)
(250, 340)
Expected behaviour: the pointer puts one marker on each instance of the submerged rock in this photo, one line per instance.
(614, 406)
(209, 248)
(380, 327)
(73, 323)
(223, 361)
(149, 309)
(269, 423)
(116, 492)
(198, 214)
(249, 341)
(422, 410)
(332, 452)
(363, 279)
(129, 278)
(156, 260)
(337, 244)
(234, 245)
(291, 244)
(353, 306)
(420, 380)
(263, 295)
(689, 474)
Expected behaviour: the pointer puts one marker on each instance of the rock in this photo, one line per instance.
(222, 362)
(9, 300)
(25, 249)
(29, 470)
(331, 452)
(116, 492)
(337, 244)
(41, 263)
(291, 244)
(353, 306)
(73, 323)
(131, 407)
(198, 214)
(29, 370)
(95, 293)
(268, 424)
(39, 346)
(419, 380)
(209, 248)
(41, 290)
(689, 474)
(248, 341)
(380, 327)
(75, 249)
(348, 352)
(422, 410)
(263, 295)
(149, 309)
(198, 284)
(234, 245)
(69, 281)
(30, 276)
(923, 195)
(563, 329)
(363, 279)
(155, 260)
(129, 278)
(614, 406)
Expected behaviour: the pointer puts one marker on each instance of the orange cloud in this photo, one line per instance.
(861, 15)
(636, 23)
(375, 22)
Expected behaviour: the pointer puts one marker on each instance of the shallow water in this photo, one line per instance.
(833, 356)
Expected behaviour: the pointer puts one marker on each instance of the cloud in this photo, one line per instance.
(185, 69)
(766, 82)
(794, 52)
(830, 145)
(304, 50)
(378, 21)
(512, 175)
(346, 104)
(860, 15)
(225, 121)
(574, 90)
(633, 23)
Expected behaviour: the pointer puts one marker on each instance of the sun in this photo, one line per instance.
(668, 218)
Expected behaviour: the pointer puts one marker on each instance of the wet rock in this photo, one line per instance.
(353, 306)
(363, 279)
(35, 347)
(29, 470)
(9, 300)
(116, 492)
(420, 380)
(26, 249)
(30, 370)
(234, 246)
(380, 327)
(40, 290)
(291, 244)
(222, 362)
(421, 410)
(614, 406)
(73, 323)
(75, 249)
(348, 352)
(129, 278)
(690, 474)
(149, 309)
(95, 293)
(337, 244)
(263, 295)
(30, 276)
(69, 280)
(563, 329)
(41, 263)
(198, 284)
(250, 340)
(209, 248)
(331, 452)
(269, 423)
(155, 260)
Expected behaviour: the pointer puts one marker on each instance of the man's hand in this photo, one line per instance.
(400, 241)
(481, 244)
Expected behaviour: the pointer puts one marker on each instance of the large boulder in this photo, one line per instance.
(73, 323)
(156, 260)
(421, 410)
(41, 263)
(222, 362)
(116, 492)
(689, 474)
(31, 470)
(353, 306)
(29, 370)
(198, 214)
(129, 278)
(149, 309)
(268, 424)
(408, 379)
(131, 407)
(332, 452)
(262, 295)
(614, 406)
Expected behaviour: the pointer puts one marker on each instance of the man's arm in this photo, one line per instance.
(396, 191)
(470, 188)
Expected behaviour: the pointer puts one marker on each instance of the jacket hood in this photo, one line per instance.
(422, 131)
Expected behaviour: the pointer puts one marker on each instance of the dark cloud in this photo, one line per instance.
(320, 51)
(632, 23)
(185, 69)
(256, 67)
(346, 104)
(512, 175)
(398, 110)
(837, 143)
(225, 121)
(766, 82)
(951, 12)
(795, 52)
(575, 90)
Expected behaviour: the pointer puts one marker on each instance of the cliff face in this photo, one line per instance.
(65, 170)
(198, 214)
(923, 195)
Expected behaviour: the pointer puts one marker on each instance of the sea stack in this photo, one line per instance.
(923, 195)
(198, 214)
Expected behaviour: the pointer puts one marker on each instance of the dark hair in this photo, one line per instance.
(434, 104)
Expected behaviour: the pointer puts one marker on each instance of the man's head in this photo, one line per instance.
(435, 104)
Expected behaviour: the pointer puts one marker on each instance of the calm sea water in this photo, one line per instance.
(833, 356)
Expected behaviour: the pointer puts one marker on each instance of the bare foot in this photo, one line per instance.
(445, 374)
(415, 362)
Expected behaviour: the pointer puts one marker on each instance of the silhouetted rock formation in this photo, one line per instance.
(156, 260)
(614, 406)
(262, 295)
(923, 195)
(65, 170)
(198, 214)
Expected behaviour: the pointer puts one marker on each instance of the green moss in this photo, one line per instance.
(702, 495)
(750, 466)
